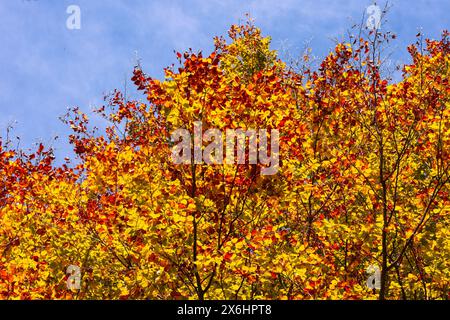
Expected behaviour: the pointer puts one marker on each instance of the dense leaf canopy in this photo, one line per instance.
(364, 180)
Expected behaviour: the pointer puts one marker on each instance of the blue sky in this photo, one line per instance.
(46, 68)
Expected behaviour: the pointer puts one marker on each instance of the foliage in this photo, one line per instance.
(363, 180)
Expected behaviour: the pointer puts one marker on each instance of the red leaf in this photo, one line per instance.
(227, 256)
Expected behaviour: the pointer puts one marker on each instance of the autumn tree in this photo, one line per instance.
(363, 180)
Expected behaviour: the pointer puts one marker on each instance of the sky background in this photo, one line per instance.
(46, 68)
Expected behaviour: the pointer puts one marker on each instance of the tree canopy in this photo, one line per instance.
(363, 181)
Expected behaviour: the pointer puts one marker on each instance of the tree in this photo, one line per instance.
(363, 180)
